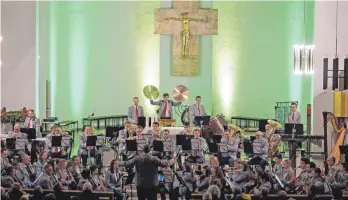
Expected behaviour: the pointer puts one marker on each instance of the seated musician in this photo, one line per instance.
(154, 132)
(33, 122)
(113, 179)
(288, 175)
(85, 178)
(317, 183)
(227, 158)
(26, 173)
(54, 152)
(4, 158)
(277, 168)
(260, 146)
(187, 176)
(16, 133)
(165, 107)
(40, 164)
(202, 181)
(47, 180)
(241, 175)
(139, 136)
(186, 130)
(8, 178)
(64, 176)
(83, 148)
(342, 174)
(333, 169)
(122, 137)
(75, 168)
(264, 183)
(196, 110)
(135, 111)
(197, 156)
(300, 181)
(97, 184)
(166, 138)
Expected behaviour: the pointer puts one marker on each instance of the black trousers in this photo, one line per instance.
(147, 193)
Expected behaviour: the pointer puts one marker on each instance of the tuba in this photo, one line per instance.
(236, 132)
(273, 139)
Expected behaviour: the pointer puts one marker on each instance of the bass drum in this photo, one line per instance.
(207, 133)
(218, 124)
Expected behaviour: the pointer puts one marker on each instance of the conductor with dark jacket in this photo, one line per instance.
(146, 173)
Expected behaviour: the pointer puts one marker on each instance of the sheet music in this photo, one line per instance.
(66, 140)
(167, 146)
(20, 144)
(257, 148)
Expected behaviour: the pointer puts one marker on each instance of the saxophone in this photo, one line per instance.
(273, 139)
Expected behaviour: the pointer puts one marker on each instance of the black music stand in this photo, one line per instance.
(184, 141)
(158, 146)
(57, 141)
(297, 128)
(216, 138)
(112, 131)
(142, 121)
(91, 141)
(344, 151)
(131, 145)
(248, 149)
(197, 121)
(206, 120)
(11, 143)
(31, 133)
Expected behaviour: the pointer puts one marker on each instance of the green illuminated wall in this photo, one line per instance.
(98, 55)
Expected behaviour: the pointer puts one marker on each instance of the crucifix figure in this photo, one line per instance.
(185, 22)
(186, 29)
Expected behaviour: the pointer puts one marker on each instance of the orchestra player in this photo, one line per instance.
(187, 176)
(166, 138)
(33, 122)
(26, 172)
(260, 146)
(342, 174)
(227, 158)
(303, 176)
(277, 168)
(186, 130)
(40, 164)
(4, 158)
(154, 132)
(122, 137)
(16, 133)
(47, 180)
(196, 109)
(288, 175)
(333, 169)
(135, 111)
(8, 178)
(294, 117)
(85, 178)
(165, 107)
(83, 148)
(113, 179)
(75, 168)
(202, 182)
(64, 176)
(97, 183)
(146, 173)
(197, 156)
(55, 152)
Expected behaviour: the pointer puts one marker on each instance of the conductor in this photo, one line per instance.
(146, 173)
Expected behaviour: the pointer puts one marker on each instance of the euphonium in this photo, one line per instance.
(273, 139)
(236, 131)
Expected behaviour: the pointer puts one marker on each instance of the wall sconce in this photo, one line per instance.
(303, 59)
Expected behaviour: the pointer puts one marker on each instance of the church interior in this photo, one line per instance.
(232, 99)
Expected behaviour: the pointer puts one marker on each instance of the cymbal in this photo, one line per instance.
(180, 93)
(151, 92)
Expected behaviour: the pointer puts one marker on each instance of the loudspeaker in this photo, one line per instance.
(335, 74)
(325, 72)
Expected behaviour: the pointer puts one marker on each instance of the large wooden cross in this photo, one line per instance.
(186, 21)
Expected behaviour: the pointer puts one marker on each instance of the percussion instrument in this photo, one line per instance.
(107, 156)
(166, 122)
(151, 92)
(217, 124)
(180, 93)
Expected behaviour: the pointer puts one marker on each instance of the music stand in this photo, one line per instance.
(31, 133)
(206, 120)
(100, 140)
(197, 121)
(142, 121)
(158, 146)
(131, 145)
(216, 138)
(297, 128)
(112, 131)
(213, 147)
(248, 149)
(11, 143)
(56, 141)
(91, 141)
(184, 141)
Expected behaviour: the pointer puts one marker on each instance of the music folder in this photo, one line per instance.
(167, 146)
(184, 141)
(158, 146)
(56, 141)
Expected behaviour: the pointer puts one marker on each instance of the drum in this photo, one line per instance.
(108, 155)
(217, 124)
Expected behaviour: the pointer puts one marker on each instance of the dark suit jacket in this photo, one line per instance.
(146, 170)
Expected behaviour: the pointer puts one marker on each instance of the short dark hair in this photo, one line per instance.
(278, 155)
(127, 122)
(146, 148)
(305, 160)
(312, 165)
(165, 95)
(47, 166)
(155, 123)
(198, 97)
(86, 173)
(186, 124)
(166, 130)
(140, 127)
(31, 110)
(294, 104)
